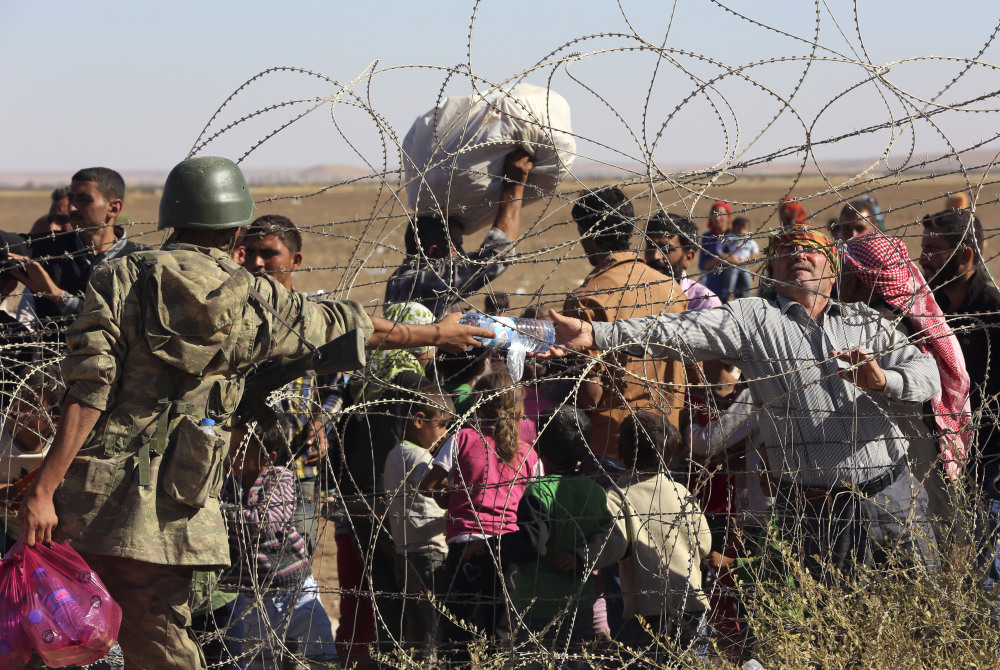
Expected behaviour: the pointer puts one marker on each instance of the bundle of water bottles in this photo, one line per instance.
(517, 337)
(53, 604)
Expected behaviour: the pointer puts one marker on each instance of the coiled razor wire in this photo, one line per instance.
(766, 606)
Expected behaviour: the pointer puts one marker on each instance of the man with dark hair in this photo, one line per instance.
(952, 263)
(437, 272)
(496, 304)
(272, 246)
(621, 285)
(62, 263)
(671, 245)
(57, 220)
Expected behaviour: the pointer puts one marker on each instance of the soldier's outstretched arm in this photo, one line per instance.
(38, 515)
(447, 334)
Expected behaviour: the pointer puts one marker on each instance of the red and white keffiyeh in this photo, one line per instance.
(883, 264)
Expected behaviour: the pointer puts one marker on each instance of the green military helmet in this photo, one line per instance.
(205, 192)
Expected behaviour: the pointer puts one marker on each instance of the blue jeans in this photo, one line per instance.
(736, 283)
(273, 617)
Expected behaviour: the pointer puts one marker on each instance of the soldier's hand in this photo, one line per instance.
(455, 337)
(37, 516)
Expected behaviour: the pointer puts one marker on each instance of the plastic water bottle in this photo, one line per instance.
(46, 634)
(208, 427)
(62, 606)
(537, 335)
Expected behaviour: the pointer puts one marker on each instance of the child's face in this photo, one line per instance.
(246, 457)
(428, 431)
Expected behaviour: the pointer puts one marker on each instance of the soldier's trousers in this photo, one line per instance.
(156, 619)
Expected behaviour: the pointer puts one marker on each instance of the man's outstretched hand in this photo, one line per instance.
(571, 335)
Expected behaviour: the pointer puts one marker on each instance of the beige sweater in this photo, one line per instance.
(668, 537)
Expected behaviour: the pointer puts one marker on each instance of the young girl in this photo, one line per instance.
(486, 469)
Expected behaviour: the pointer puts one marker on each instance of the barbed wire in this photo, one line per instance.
(723, 542)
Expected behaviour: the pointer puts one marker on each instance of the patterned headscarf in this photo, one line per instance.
(712, 226)
(791, 212)
(883, 264)
(807, 238)
(387, 363)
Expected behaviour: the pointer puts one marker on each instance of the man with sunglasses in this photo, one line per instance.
(825, 376)
(671, 245)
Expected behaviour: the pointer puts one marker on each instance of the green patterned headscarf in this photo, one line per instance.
(384, 365)
(807, 238)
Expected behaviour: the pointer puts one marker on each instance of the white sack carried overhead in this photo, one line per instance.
(453, 155)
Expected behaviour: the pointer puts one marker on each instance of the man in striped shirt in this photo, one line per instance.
(825, 376)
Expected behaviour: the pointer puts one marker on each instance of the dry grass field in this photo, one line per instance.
(355, 233)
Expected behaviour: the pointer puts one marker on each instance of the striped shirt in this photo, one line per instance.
(265, 547)
(819, 429)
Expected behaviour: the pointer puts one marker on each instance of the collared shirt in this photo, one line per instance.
(820, 430)
(438, 283)
(699, 295)
(72, 303)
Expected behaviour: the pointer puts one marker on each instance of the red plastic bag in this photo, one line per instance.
(66, 613)
(15, 649)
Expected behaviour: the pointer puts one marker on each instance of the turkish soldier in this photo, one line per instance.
(165, 340)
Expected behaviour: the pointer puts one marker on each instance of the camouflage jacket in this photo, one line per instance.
(166, 338)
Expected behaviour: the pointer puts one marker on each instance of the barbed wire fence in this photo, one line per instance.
(755, 585)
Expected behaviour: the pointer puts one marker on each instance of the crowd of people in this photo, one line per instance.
(814, 385)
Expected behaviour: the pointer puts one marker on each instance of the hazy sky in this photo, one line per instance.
(132, 84)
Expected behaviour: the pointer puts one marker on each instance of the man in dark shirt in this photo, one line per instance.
(437, 272)
(951, 255)
(951, 259)
(64, 261)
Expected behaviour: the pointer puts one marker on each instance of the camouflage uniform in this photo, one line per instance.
(165, 339)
